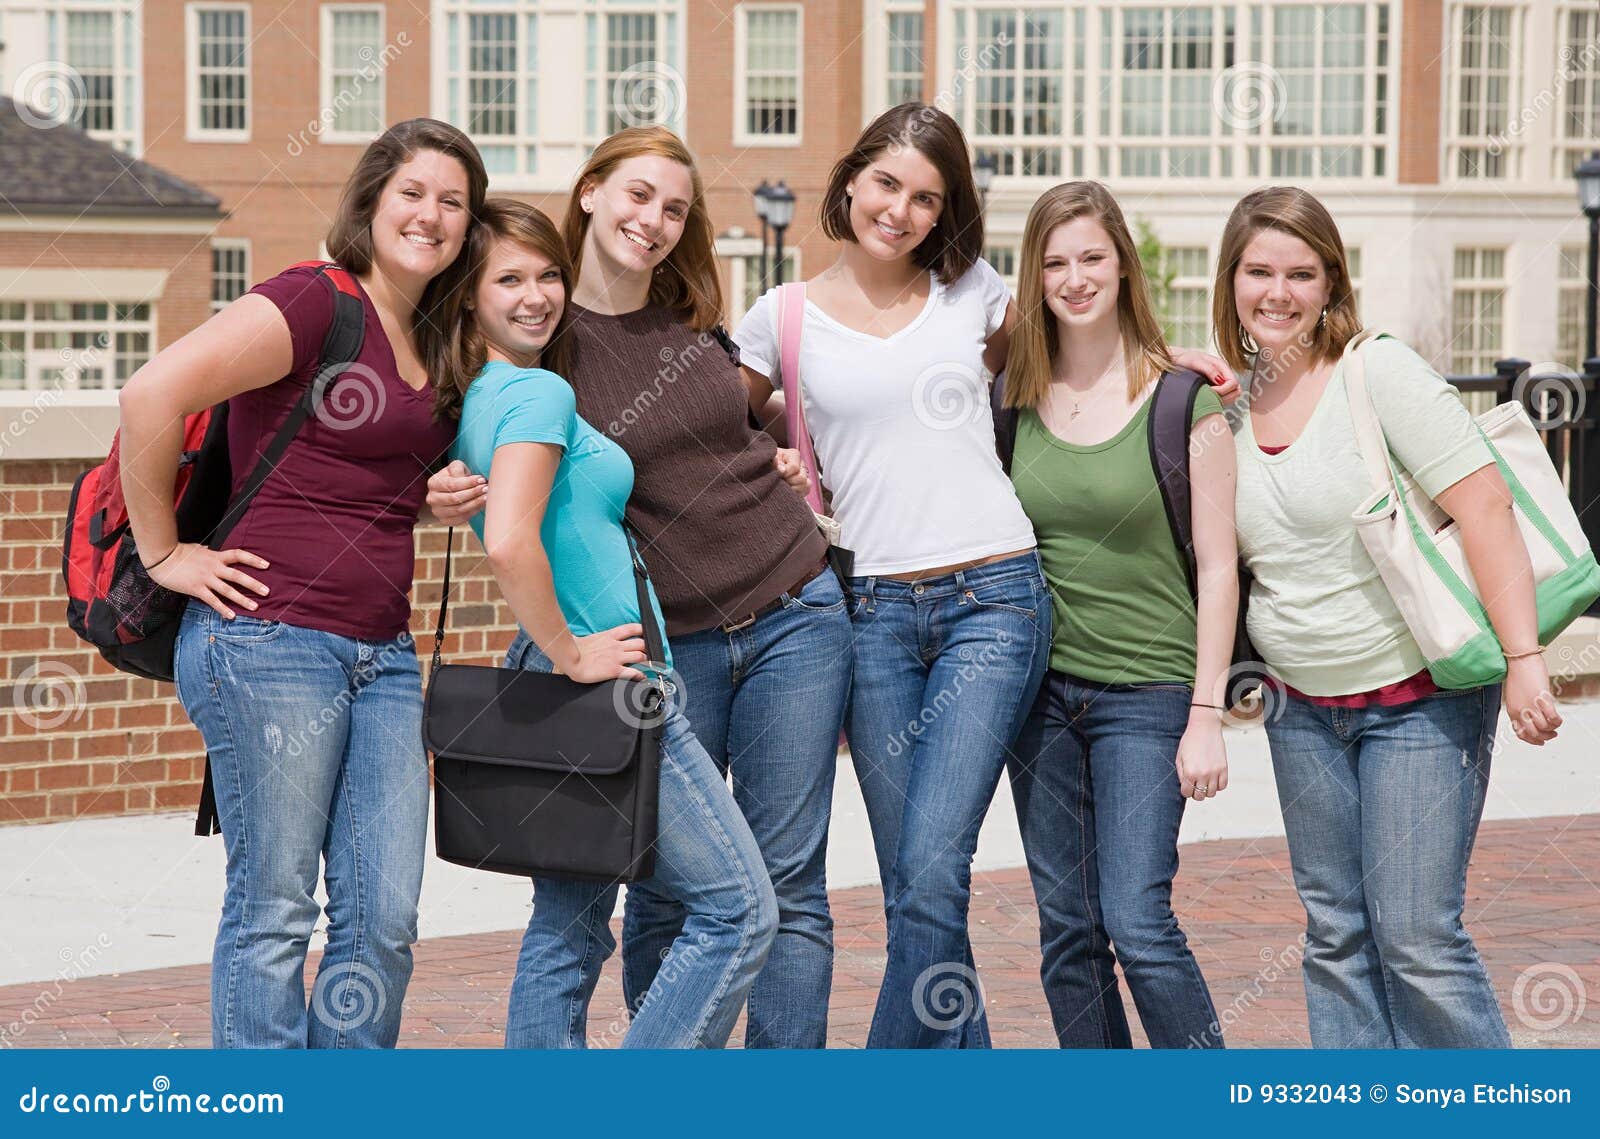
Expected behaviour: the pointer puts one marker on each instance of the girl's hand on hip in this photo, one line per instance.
(210, 576)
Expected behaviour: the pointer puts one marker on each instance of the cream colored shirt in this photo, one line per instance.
(1320, 616)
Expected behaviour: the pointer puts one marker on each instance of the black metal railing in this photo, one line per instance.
(1565, 406)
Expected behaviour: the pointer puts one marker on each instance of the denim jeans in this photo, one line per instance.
(1096, 787)
(945, 671)
(1381, 806)
(767, 701)
(707, 861)
(316, 754)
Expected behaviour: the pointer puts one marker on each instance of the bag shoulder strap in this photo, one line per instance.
(791, 323)
(1005, 422)
(655, 644)
(340, 347)
(1369, 431)
(1171, 410)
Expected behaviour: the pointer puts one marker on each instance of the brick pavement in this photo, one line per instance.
(1533, 906)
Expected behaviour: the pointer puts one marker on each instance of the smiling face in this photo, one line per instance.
(518, 302)
(895, 201)
(638, 213)
(1082, 275)
(1280, 290)
(420, 219)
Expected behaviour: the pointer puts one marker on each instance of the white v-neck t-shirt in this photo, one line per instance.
(902, 427)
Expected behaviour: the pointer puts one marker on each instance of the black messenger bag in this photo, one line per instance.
(539, 775)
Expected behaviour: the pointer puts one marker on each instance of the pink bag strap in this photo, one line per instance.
(791, 322)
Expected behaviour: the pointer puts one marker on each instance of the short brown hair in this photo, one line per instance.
(956, 242)
(1035, 340)
(466, 352)
(1290, 210)
(687, 280)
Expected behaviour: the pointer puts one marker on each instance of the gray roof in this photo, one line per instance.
(61, 170)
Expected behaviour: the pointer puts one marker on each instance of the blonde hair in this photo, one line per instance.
(687, 280)
(1287, 209)
(1036, 338)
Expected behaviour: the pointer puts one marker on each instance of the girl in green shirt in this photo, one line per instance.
(1125, 728)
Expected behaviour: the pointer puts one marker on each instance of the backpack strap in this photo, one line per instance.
(340, 347)
(1005, 422)
(1171, 410)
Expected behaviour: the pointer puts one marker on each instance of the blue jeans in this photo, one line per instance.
(945, 671)
(1381, 806)
(316, 754)
(706, 860)
(1096, 787)
(767, 701)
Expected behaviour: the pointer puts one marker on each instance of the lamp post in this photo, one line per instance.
(760, 196)
(780, 212)
(1588, 175)
(983, 172)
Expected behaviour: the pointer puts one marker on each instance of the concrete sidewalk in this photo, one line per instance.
(118, 895)
(1532, 905)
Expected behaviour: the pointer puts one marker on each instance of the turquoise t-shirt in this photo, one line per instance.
(582, 530)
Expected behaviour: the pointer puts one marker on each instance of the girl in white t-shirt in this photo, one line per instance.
(951, 612)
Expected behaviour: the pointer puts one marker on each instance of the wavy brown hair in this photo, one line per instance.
(500, 219)
(687, 280)
(1037, 338)
(956, 241)
(349, 239)
(1290, 210)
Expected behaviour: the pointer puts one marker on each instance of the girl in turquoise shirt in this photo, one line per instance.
(552, 528)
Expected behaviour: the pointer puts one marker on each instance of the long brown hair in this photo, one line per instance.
(687, 280)
(349, 239)
(956, 242)
(465, 351)
(1036, 339)
(1290, 210)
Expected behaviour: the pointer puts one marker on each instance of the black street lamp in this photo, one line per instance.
(1588, 175)
(983, 172)
(780, 212)
(760, 195)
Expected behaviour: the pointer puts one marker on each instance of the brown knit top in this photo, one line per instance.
(723, 533)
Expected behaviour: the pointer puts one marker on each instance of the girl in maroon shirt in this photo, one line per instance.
(293, 658)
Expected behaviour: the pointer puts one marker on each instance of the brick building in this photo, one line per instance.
(1442, 134)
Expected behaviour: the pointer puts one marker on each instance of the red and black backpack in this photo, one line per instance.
(111, 601)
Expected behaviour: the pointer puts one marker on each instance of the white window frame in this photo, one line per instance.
(378, 64)
(38, 361)
(526, 148)
(1455, 142)
(193, 130)
(669, 88)
(1091, 144)
(1478, 285)
(1572, 60)
(742, 256)
(41, 61)
(741, 77)
(229, 245)
(1375, 77)
(1191, 284)
(1571, 289)
(884, 51)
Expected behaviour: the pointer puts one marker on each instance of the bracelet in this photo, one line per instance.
(1213, 707)
(1519, 656)
(162, 558)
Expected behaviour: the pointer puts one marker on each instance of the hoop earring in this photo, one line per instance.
(1248, 342)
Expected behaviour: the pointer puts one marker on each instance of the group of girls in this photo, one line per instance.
(1045, 624)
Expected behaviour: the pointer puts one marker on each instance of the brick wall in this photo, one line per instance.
(77, 737)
